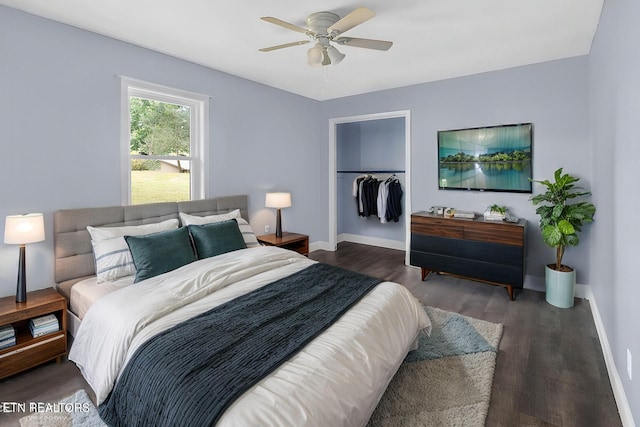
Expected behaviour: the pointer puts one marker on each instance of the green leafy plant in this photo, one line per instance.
(498, 209)
(560, 221)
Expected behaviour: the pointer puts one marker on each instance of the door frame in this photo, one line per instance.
(333, 196)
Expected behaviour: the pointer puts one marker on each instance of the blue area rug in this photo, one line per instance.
(455, 335)
(447, 380)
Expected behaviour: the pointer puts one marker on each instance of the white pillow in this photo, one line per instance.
(187, 219)
(102, 233)
(248, 235)
(111, 252)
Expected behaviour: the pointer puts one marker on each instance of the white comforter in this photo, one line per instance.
(337, 379)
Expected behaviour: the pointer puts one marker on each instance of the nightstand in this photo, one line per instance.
(293, 241)
(28, 351)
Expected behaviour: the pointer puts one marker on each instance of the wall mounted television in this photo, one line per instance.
(492, 158)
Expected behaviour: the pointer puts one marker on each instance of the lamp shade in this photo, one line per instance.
(21, 229)
(335, 55)
(278, 200)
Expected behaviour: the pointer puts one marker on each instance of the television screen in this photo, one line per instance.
(494, 158)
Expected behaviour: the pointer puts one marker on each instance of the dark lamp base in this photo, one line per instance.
(21, 289)
(278, 223)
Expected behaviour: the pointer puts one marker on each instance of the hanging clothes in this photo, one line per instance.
(394, 201)
(370, 196)
(383, 194)
(377, 197)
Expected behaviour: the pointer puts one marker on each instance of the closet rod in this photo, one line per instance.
(373, 171)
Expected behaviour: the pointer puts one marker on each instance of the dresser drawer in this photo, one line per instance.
(467, 249)
(480, 270)
(495, 233)
(437, 227)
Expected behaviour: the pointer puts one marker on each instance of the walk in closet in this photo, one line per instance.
(371, 154)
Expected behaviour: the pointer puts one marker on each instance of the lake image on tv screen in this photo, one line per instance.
(493, 158)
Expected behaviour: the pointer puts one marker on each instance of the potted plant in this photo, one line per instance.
(495, 212)
(560, 223)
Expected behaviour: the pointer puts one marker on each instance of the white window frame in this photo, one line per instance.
(199, 133)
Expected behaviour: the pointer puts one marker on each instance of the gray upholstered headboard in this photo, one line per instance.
(73, 250)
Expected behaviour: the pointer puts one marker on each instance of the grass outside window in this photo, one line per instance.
(156, 186)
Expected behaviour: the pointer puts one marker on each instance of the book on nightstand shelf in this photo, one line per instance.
(44, 325)
(7, 336)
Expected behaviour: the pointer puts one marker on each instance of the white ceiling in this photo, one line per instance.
(432, 39)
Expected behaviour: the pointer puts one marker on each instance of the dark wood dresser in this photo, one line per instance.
(493, 252)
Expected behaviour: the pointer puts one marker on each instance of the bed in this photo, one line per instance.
(321, 374)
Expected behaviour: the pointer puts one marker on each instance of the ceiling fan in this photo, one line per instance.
(325, 28)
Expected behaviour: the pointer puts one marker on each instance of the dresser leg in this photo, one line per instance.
(424, 272)
(510, 290)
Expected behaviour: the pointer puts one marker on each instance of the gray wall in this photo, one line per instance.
(614, 86)
(553, 95)
(59, 116)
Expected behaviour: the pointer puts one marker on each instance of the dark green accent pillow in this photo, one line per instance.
(157, 253)
(216, 238)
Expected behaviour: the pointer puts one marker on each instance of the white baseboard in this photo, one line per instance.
(320, 246)
(614, 377)
(372, 241)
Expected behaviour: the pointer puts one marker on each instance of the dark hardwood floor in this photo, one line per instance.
(550, 369)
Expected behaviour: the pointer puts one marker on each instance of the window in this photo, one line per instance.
(164, 134)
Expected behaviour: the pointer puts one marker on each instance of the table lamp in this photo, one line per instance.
(20, 230)
(278, 201)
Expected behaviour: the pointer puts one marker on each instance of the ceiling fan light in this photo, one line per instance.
(315, 56)
(325, 58)
(335, 55)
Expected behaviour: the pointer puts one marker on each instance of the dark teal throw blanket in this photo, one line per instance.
(189, 374)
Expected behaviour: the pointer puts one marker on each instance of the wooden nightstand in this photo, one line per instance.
(28, 351)
(293, 241)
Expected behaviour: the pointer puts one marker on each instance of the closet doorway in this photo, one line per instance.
(377, 145)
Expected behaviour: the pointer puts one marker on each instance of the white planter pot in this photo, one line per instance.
(560, 287)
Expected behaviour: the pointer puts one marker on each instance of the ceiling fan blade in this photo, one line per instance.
(282, 46)
(357, 17)
(285, 25)
(365, 43)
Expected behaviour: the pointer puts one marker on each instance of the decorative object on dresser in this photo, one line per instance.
(20, 230)
(292, 241)
(31, 348)
(487, 251)
(464, 214)
(278, 201)
(495, 212)
(560, 223)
